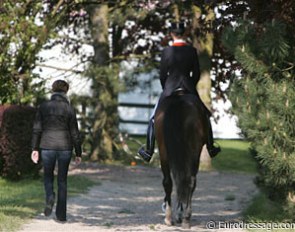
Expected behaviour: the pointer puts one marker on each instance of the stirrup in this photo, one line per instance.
(145, 155)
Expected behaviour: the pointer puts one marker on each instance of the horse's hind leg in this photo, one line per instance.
(167, 184)
(179, 211)
(188, 206)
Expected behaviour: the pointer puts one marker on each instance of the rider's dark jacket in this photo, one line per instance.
(55, 126)
(179, 68)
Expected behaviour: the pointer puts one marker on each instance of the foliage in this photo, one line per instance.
(101, 114)
(224, 63)
(25, 27)
(138, 30)
(131, 21)
(263, 98)
(15, 142)
(137, 33)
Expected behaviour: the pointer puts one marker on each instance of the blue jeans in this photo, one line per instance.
(63, 158)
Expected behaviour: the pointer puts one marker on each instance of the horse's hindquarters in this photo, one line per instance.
(180, 135)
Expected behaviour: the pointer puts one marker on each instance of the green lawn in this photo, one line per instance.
(263, 209)
(22, 200)
(235, 157)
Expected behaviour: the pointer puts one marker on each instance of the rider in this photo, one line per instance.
(179, 69)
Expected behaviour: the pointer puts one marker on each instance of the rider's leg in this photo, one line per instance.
(212, 150)
(150, 141)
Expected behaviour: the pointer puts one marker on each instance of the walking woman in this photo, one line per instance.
(179, 71)
(55, 133)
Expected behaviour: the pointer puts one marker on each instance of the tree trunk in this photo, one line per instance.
(102, 140)
(99, 31)
(204, 46)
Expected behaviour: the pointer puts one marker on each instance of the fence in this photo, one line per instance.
(135, 122)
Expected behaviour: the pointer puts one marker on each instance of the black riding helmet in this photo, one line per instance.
(178, 28)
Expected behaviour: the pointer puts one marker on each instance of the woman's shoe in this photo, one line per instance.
(49, 206)
(61, 221)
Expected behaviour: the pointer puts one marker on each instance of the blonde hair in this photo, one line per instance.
(60, 86)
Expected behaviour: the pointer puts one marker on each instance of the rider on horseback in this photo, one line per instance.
(179, 69)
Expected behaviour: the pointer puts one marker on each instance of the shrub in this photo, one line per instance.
(264, 101)
(15, 142)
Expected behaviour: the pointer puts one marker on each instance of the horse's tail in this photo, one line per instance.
(177, 129)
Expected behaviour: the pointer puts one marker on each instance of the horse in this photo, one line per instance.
(181, 132)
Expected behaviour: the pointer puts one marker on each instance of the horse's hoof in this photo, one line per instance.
(178, 220)
(185, 225)
(164, 207)
(168, 222)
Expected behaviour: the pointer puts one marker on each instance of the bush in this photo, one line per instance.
(15, 142)
(264, 101)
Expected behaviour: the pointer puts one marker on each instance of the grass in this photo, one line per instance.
(22, 200)
(262, 209)
(266, 212)
(230, 197)
(234, 157)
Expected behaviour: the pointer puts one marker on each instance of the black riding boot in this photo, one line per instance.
(212, 150)
(150, 143)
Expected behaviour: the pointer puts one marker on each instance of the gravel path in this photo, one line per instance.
(130, 198)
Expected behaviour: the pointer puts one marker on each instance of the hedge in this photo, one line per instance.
(16, 123)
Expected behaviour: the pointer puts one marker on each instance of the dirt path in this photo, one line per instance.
(130, 198)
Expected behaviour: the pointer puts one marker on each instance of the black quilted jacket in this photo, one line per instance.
(56, 126)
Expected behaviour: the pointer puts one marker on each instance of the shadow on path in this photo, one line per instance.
(130, 199)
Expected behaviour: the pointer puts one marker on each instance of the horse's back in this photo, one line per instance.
(181, 121)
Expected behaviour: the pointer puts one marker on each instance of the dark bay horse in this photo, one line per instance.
(181, 132)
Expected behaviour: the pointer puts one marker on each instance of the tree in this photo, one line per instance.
(138, 20)
(263, 97)
(103, 81)
(25, 28)
(149, 21)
